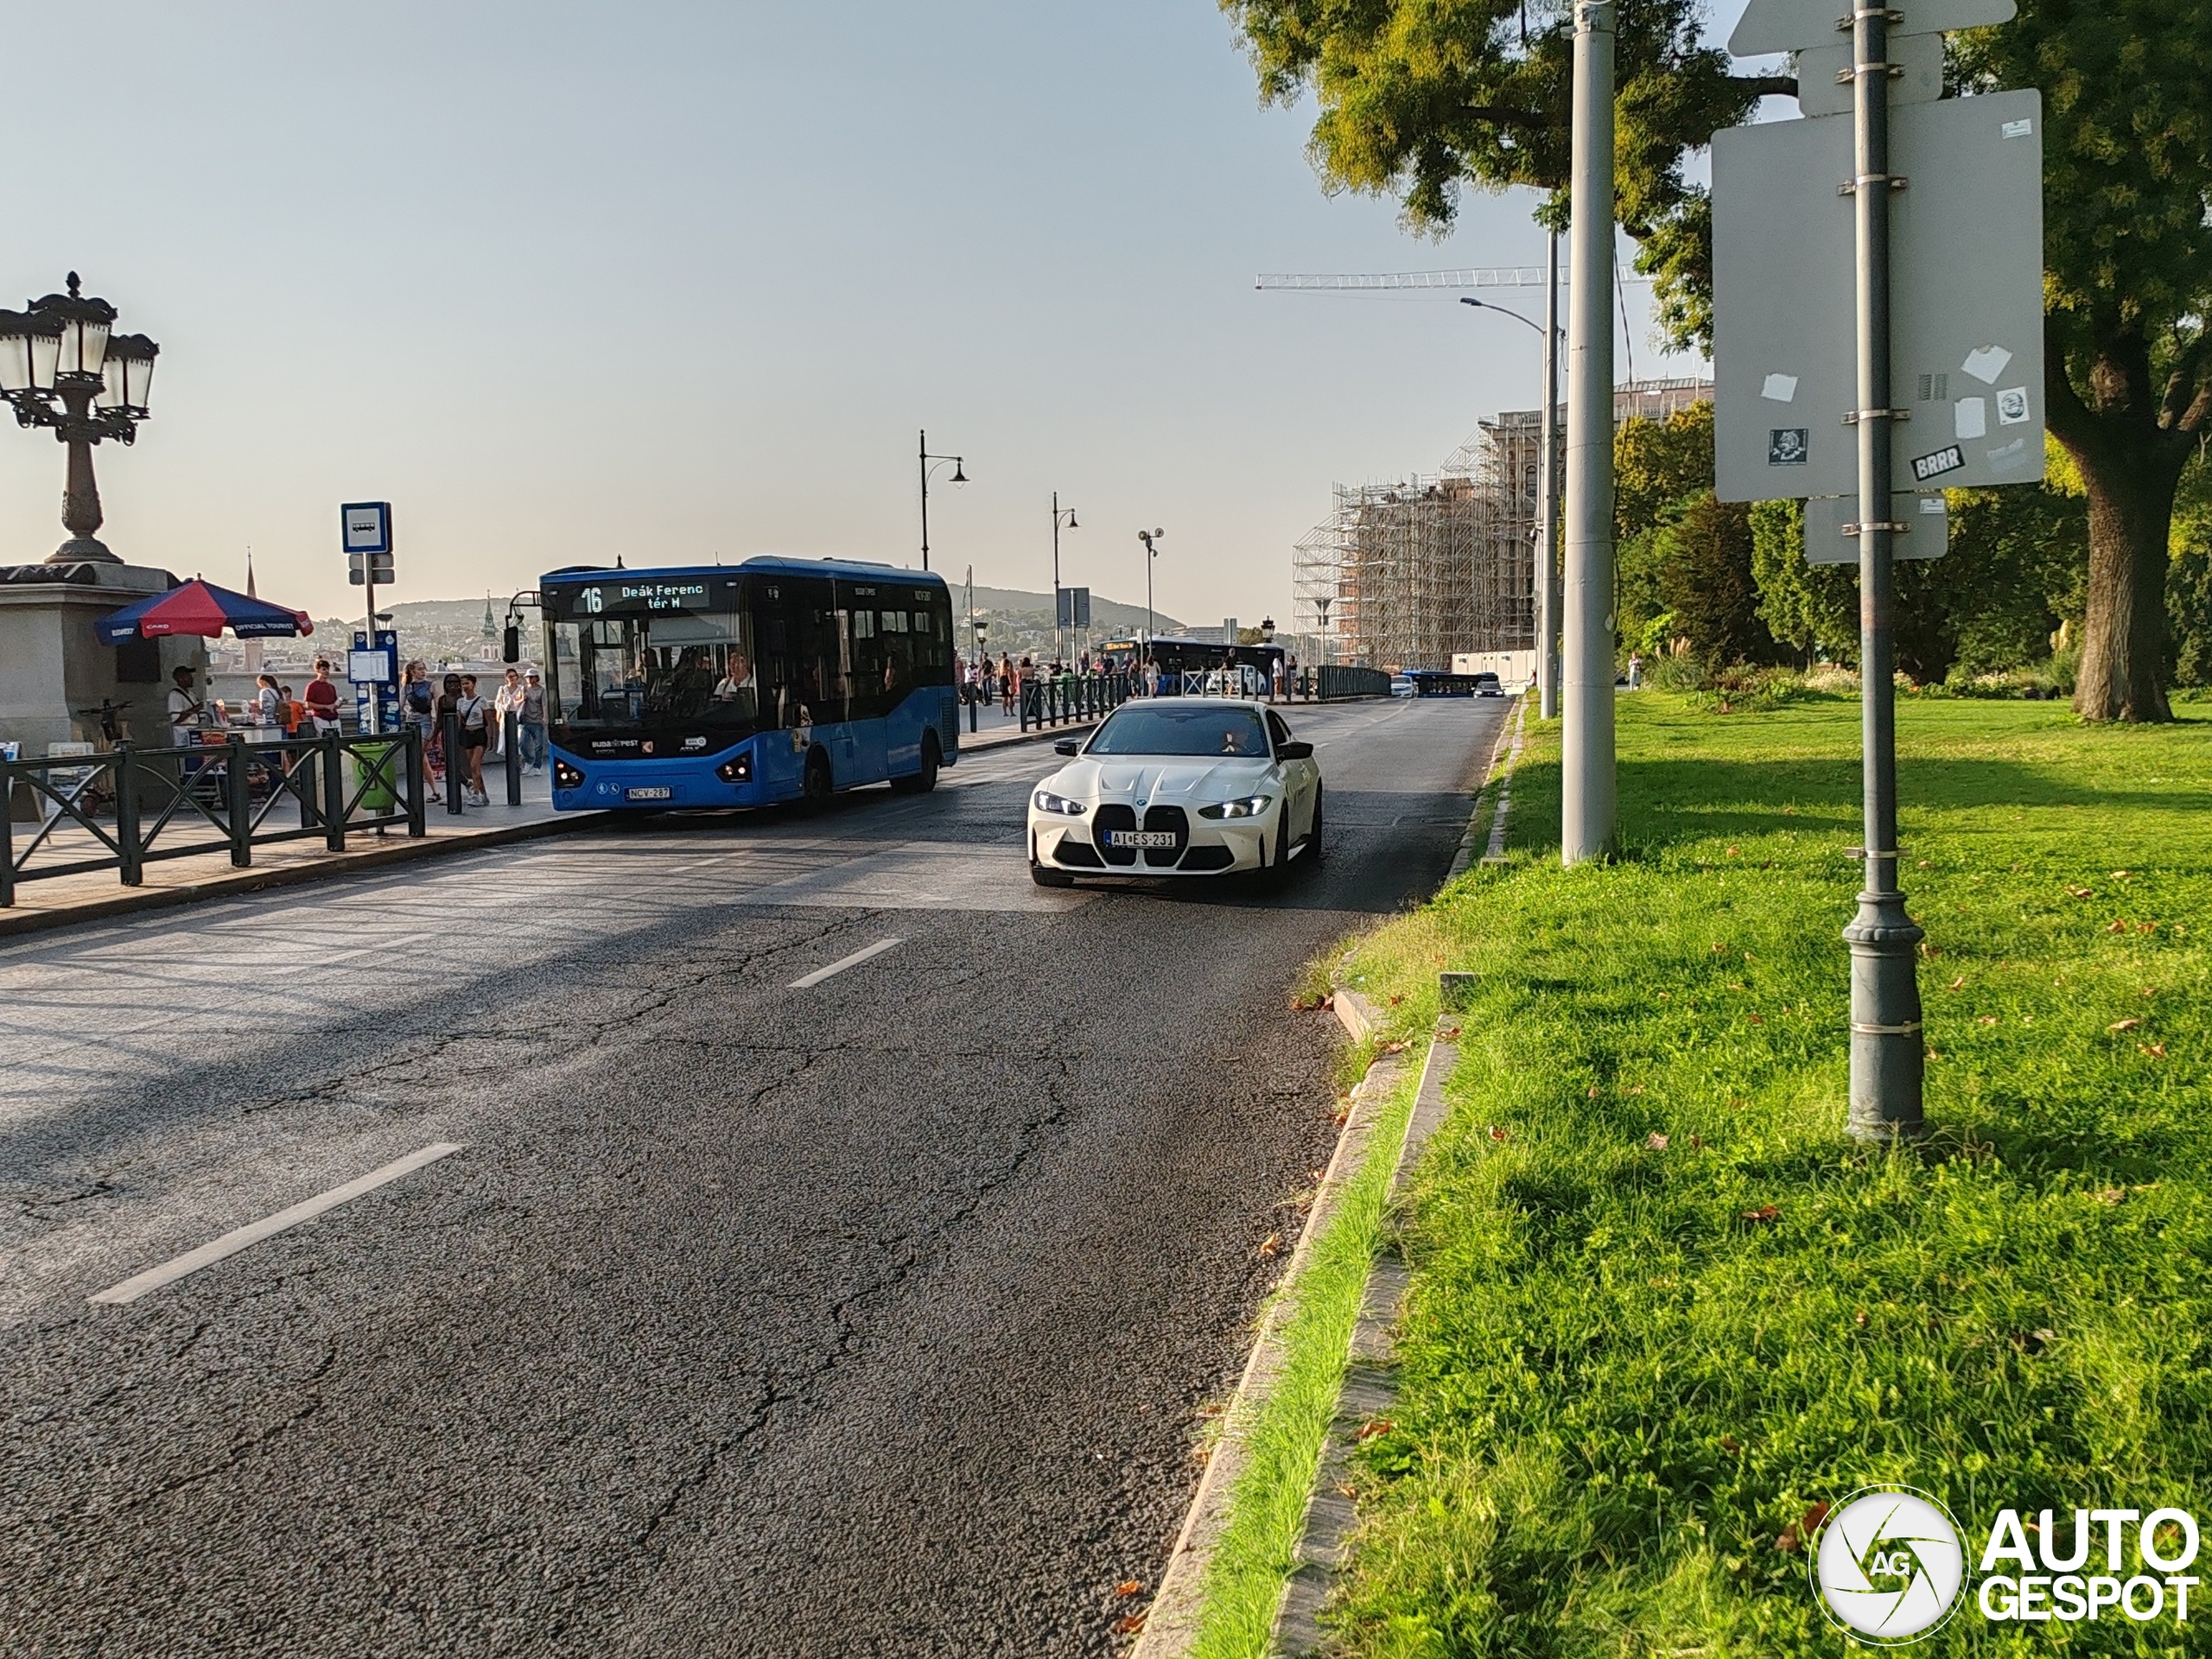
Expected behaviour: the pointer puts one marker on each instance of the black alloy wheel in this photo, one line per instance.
(922, 782)
(817, 786)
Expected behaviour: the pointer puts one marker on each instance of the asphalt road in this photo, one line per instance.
(869, 1316)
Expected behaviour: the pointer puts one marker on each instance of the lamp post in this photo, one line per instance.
(1151, 552)
(1321, 605)
(931, 463)
(1059, 517)
(1547, 501)
(62, 365)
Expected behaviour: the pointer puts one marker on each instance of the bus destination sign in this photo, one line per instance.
(625, 598)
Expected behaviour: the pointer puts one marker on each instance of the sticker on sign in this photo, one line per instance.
(1948, 459)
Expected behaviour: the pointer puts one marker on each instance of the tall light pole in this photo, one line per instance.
(1151, 552)
(931, 463)
(62, 367)
(1321, 605)
(1589, 805)
(1546, 537)
(1059, 517)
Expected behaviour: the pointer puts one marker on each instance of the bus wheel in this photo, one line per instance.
(816, 788)
(922, 782)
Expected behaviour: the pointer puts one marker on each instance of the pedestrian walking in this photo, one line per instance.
(1007, 685)
(322, 699)
(476, 713)
(418, 706)
(1151, 676)
(532, 724)
(1634, 670)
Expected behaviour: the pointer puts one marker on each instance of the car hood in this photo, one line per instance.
(1116, 778)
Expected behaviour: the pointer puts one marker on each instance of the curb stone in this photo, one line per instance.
(1172, 1621)
(1368, 1388)
(1516, 715)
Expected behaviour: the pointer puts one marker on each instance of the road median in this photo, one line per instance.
(1660, 1313)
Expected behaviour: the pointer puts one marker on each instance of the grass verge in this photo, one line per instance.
(1257, 1548)
(1662, 1307)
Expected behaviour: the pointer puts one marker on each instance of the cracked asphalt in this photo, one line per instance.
(872, 1319)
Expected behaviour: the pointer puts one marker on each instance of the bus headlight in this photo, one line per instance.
(1250, 807)
(738, 770)
(566, 776)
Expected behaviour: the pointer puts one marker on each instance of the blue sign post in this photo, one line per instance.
(374, 671)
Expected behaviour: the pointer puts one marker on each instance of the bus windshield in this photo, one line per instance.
(674, 668)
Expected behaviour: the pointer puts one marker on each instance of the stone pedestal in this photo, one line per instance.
(55, 670)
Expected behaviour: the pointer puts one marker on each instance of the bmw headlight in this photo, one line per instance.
(1048, 801)
(1250, 807)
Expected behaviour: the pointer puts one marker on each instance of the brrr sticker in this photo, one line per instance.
(1789, 445)
(1948, 459)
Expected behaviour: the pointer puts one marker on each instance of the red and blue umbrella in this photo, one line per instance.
(201, 608)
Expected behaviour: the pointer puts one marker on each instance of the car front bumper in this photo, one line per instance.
(1210, 847)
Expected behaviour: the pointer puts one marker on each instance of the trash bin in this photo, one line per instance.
(381, 768)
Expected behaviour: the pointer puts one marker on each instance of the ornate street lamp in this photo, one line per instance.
(60, 367)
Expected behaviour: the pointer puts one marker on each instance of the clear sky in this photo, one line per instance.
(677, 281)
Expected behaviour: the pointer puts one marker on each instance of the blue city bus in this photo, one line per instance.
(740, 685)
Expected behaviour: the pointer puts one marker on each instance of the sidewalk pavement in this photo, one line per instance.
(67, 900)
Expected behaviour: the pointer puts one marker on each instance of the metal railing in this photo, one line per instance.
(130, 807)
(1342, 680)
(1061, 699)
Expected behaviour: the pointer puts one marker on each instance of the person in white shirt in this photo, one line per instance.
(185, 709)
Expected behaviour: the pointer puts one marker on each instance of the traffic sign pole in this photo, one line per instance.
(1888, 1057)
(1589, 805)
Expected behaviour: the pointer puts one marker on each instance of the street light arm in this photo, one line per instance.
(1485, 305)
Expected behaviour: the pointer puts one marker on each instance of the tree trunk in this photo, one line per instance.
(2124, 636)
(2131, 456)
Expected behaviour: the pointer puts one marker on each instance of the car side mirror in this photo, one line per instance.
(1067, 746)
(1294, 750)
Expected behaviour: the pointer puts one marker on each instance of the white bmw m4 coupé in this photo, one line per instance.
(1177, 787)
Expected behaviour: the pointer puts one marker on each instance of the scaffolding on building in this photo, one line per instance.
(1407, 574)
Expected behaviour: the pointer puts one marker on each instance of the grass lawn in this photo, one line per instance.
(1663, 1307)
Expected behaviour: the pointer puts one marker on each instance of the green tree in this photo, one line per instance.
(1421, 99)
(1704, 558)
(1812, 609)
(2127, 283)
(2189, 588)
(1658, 467)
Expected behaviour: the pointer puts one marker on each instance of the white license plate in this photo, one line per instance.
(1146, 839)
(660, 792)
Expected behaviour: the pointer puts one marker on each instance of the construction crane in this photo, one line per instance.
(1484, 276)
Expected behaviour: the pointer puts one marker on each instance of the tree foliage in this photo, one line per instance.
(1420, 100)
(2127, 258)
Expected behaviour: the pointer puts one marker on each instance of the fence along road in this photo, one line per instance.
(866, 1316)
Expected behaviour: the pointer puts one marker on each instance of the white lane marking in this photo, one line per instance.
(843, 963)
(253, 1232)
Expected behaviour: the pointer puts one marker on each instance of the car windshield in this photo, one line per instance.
(1182, 728)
